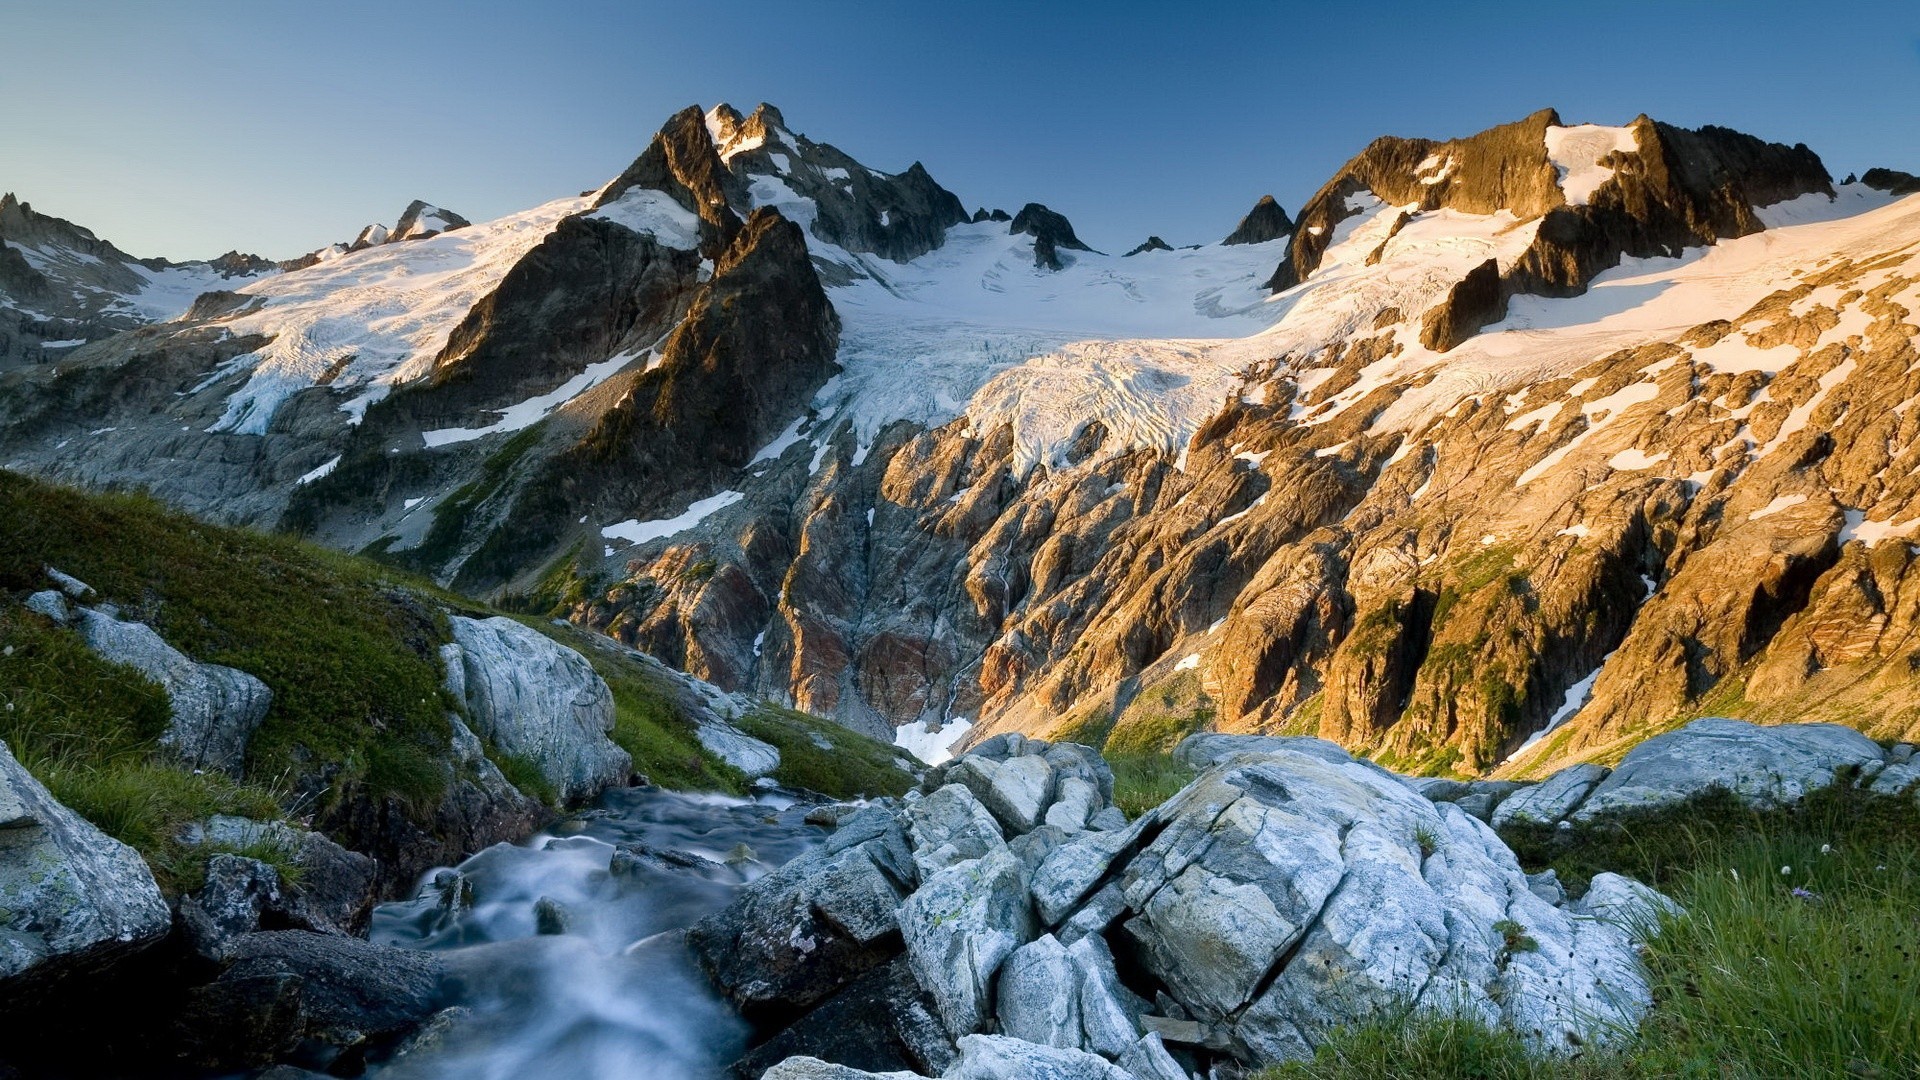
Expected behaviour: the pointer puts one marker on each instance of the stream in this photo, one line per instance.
(615, 994)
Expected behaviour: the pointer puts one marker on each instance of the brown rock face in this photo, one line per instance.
(1472, 303)
(1266, 221)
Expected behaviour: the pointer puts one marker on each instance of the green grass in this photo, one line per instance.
(1144, 781)
(1796, 955)
(661, 741)
(1160, 716)
(850, 766)
(349, 652)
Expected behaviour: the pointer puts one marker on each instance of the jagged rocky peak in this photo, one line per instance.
(1051, 233)
(417, 222)
(423, 219)
(1567, 201)
(1891, 181)
(1267, 220)
(897, 216)
(683, 163)
(1151, 243)
(996, 214)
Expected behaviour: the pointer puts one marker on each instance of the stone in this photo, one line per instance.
(228, 906)
(1551, 799)
(1037, 996)
(74, 898)
(1206, 749)
(880, 1021)
(1074, 806)
(533, 697)
(799, 934)
(1898, 778)
(550, 916)
(321, 995)
(1282, 895)
(72, 586)
(950, 826)
(1546, 885)
(830, 815)
(808, 1068)
(959, 927)
(1016, 791)
(336, 888)
(51, 604)
(1071, 871)
(1112, 819)
(215, 708)
(998, 1057)
(1148, 1060)
(1109, 1012)
(1762, 766)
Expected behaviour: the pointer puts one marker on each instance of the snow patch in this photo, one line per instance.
(639, 532)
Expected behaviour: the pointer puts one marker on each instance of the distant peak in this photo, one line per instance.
(1041, 223)
(1153, 243)
(1267, 220)
(423, 219)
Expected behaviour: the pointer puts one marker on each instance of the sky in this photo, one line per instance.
(188, 128)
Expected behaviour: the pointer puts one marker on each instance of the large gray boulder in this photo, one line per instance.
(534, 698)
(950, 826)
(1016, 791)
(798, 935)
(71, 897)
(1205, 749)
(1551, 799)
(1762, 766)
(1284, 895)
(334, 890)
(959, 927)
(215, 708)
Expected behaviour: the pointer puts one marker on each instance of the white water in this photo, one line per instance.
(618, 995)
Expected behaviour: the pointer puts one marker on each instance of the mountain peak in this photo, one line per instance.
(423, 219)
(1267, 220)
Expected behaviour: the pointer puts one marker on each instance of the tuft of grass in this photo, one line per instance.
(1144, 781)
(1405, 1043)
(851, 765)
(1160, 716)
(524, 773)
(648, 726)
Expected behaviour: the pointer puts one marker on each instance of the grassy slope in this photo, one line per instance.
(349, 647)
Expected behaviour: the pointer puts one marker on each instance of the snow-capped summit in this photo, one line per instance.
(417, 222)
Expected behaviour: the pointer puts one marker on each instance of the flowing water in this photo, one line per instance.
(616, 994)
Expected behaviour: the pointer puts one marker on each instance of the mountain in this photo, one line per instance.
(1577, 427)
(61, 286)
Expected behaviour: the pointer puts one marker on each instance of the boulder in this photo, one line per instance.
(1898, 778)
(533, 697)
(1206, 749)
(72, 898)
(959, 927)
(1148, 1060)
(312, 998)
(335, 890)
(1551, 799)
(881, 1021)
(1284, 895)
(50, 603)
(796, 936)
(1037, 995)
(810, 1068)
(215, 708)
(1109, 1012)
(1016, 791)
(998, 1057)
(950, 826)
(1762, 766)
(228, 906)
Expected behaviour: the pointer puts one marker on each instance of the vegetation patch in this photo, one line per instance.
(849, 765)
(1144, 781)
(349, 652)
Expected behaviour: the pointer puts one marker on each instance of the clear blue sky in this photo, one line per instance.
(187, 128)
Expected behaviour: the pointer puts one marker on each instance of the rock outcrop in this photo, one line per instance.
(72, 898)
(215, 708)
(539, 700)
(1287, 891)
